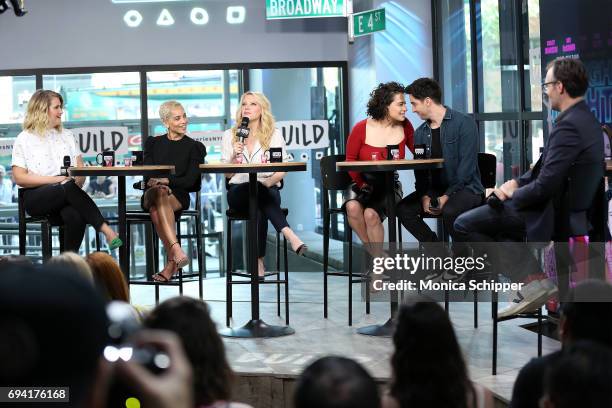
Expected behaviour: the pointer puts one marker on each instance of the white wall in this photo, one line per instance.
(85, 33)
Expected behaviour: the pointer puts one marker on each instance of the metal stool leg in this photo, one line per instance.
(228, 276)
(286, 282)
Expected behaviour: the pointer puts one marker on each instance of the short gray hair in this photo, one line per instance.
(165, 110)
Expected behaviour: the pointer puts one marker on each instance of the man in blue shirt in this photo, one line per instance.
(454, 189)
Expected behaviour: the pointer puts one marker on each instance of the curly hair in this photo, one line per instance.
(381, 97)
(190, 319)
(37, 115)
(426, 355)
(266, 128)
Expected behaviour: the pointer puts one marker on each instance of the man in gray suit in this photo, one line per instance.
(526, 207)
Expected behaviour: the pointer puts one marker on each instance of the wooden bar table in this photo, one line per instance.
(388, 167)
(120, 172)
(256, 327)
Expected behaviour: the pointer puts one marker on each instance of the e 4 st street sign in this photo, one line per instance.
(366, 22)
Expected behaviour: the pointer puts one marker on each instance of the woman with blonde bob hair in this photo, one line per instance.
(38, 156)
(256, 149)
(165, 198)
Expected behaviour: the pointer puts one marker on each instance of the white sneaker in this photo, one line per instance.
(530, 297)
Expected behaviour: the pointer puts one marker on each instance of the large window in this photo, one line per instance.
(501, 40)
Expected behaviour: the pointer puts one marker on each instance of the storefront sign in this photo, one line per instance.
(283, 9)
(305, 134)
(93, 140)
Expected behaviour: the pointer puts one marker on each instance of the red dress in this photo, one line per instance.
(358, 150)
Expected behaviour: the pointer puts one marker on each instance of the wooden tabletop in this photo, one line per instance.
(387, 165)
(251, 167)
(156, 170)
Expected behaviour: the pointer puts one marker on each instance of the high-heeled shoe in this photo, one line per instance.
(301, 250)
(182, 262)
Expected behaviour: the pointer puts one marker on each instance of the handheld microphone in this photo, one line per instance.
(243, 130)
(64, 168)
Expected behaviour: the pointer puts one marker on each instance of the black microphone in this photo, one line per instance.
(243, 130)
(64, 168)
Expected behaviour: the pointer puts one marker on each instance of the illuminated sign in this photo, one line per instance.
(198, 16)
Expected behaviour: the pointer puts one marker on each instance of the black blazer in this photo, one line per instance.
(576, 138)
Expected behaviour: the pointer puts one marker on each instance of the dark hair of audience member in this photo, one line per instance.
(582, 377)
(428, 367)
(53, 328)
(7, 261)
(381, 97)
(587, 315)
(336, 382)
(190, 319)
(108, 276)
(425, 88)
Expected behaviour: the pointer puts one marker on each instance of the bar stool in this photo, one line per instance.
(46, 227)
(152, 257)
(235, 216)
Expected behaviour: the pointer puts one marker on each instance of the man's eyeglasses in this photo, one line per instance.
(545, 85)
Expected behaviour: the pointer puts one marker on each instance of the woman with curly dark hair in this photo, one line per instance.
(428, 369)
(385, 126)
(212, 376)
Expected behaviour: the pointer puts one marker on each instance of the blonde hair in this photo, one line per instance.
(165, 109)
(37, 115)
(73, 261)
(266, 128)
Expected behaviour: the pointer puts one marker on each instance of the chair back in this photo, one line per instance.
(487, 165)
(584, 204)
(332, 179)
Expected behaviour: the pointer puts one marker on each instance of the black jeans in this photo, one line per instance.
(268, 205)
(485, 225)
(71, 203)
(410, 212)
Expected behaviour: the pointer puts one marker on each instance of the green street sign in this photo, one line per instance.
(367, 22)
(284, 9)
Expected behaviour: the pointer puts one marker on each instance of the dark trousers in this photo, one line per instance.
(71, 203)
(410, 212)
(268, 206)
(505, 227)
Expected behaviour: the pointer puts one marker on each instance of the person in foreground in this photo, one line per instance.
(586, 316)
(582, 378)
(255, 149)
(38, 157)
(336, 382)
(212, 376)
(385, 129)
(428, 369)
(526, 209)
(454, 189)
(166, 197)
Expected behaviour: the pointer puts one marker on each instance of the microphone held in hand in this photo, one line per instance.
(494, 202)
(243, 130)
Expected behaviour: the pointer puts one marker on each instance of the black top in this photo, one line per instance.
(185, 155)
(529, 385)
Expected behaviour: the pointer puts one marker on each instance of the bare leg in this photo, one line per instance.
(162, 214)
(108, 232)
(293, 239)
(376, 232)
(354, 211)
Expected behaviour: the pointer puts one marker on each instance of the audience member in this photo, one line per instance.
(108, 276)
(587, 316)
(190, 320)
(581, 378)
(73, 261)
(336, 382)
(9, 261)
(6, 187)
(428, 368)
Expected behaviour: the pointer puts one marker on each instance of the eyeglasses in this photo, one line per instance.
(545, 85)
